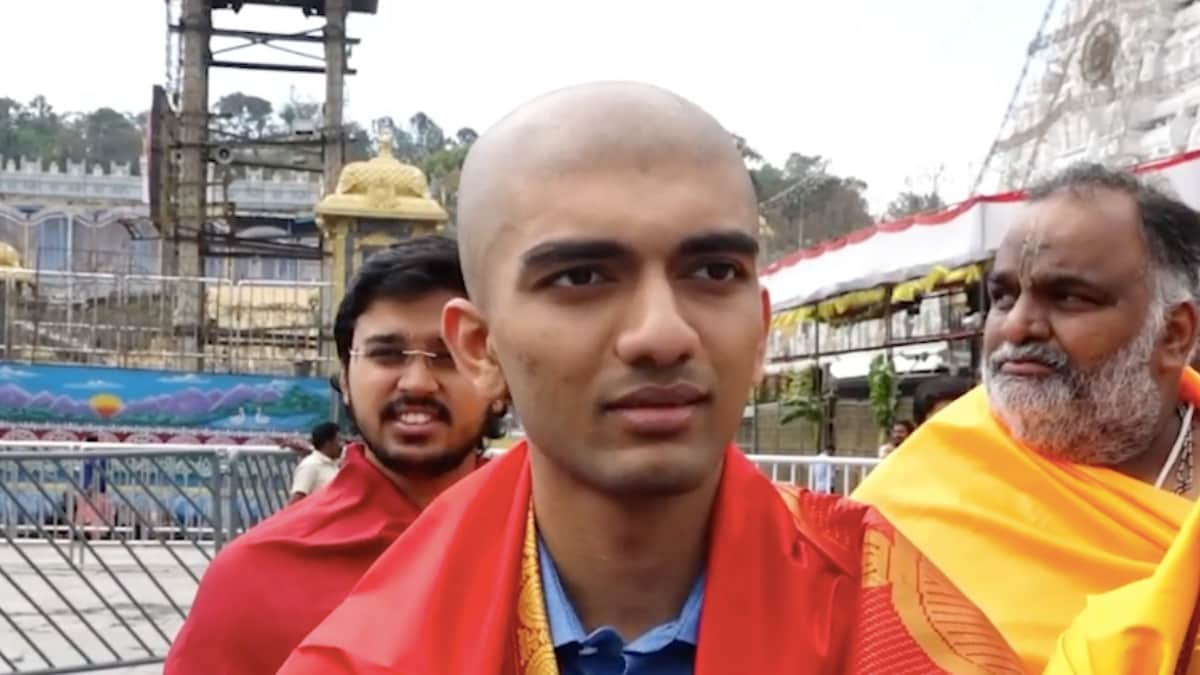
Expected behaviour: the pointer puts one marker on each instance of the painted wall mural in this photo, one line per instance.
(118, 398)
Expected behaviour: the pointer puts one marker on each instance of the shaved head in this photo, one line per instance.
(599, 127)
(608, 237)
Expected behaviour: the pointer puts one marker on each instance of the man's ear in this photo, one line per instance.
(466, 335)
(761, 357)
(344, 385)
(1179, 335)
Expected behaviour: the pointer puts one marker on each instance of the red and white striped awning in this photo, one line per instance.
(912, 247)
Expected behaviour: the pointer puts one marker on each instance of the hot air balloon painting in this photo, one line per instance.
(106, 405)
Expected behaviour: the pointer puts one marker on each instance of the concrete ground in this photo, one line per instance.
(130, 597)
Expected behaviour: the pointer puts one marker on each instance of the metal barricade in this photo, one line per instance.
(102, 546)
(822, 473)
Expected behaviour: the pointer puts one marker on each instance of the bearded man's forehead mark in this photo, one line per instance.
(1032, 245)
(1036, 233)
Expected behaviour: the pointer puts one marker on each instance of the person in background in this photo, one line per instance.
(1061, 495)
(820, 477)
(608, 241)
(934, 394)
(423, 425)
(90, 509)
(901, 429)
(319, 467)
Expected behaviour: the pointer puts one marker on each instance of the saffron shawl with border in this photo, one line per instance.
(1044, 546)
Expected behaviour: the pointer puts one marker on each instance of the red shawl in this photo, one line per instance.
(271, 586)
(806, 583)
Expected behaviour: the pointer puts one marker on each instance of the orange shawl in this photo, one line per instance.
(1040, 545)
(803, 584)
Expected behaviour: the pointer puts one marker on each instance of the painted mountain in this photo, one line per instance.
(64, 395)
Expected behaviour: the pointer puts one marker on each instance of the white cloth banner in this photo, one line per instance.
(910, 248)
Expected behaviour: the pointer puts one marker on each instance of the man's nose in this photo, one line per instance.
(416, 376)
(1025, 321)
(656, 332)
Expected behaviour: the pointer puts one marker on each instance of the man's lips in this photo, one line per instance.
(658, 411)
(416, 420)
(1026, 368)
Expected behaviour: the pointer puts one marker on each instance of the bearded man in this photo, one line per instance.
(1059, 495)
(422, 423)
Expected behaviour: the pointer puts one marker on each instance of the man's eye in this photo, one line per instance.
(385, 356)
(717, 271)
(578, 276)
(1074, 300)
(1001, 297)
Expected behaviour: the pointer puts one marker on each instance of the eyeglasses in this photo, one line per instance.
(396, 358)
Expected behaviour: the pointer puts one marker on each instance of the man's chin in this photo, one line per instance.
(421, 461)
(1063, 436)
(648, 472)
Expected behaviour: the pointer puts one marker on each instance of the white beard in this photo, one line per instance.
(1104, 417)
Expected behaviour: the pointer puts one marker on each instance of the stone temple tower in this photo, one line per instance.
(1111, 80)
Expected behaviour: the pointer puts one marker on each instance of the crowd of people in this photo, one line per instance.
(603, 281)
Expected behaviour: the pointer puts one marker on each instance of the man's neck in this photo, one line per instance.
(625, 562)
(1147, 466)
(421, 490)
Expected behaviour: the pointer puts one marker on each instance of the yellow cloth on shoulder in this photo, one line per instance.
(1067, 560)
(1138, 628)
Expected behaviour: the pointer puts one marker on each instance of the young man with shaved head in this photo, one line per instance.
(608, 242)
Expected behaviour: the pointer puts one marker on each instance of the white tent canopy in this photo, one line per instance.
(910, 248)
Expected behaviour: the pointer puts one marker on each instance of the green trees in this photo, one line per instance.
(803, 201)
(36, 130)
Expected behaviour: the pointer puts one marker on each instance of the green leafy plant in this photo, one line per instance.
(801, 399)
(881, 384)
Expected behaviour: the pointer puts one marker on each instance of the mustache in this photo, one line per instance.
(1046, 355)
(396, 406)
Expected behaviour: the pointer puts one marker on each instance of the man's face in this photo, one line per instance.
(899, 433)
(624, 311)
(332, 448)
(1074, 366)
(415, 411)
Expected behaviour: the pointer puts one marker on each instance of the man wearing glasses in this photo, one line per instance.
(422, 425)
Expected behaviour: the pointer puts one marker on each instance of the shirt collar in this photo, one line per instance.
(322, 458)
(566, 628)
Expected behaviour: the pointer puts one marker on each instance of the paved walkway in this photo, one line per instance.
(130, 597)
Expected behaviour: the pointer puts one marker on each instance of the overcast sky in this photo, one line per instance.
(887, 89)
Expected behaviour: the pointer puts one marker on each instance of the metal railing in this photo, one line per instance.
(102, 546)
(101, 549)
(166, 322)
(821, 473)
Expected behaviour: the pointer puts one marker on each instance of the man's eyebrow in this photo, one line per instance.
(564, 251)
(728, 241)
(1048, 279)
(1067, 279)
(1003, 276)
(385, 339)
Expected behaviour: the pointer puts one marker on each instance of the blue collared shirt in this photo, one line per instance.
(668, 649)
